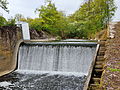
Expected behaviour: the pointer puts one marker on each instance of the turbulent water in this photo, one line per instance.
(50, 66)
(24, 81)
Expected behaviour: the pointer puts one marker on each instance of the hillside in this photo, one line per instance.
(111, 76)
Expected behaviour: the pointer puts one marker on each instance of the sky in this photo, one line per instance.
(27, 7)
(117, 14)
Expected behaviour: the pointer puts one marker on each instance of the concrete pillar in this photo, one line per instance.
(25, 30)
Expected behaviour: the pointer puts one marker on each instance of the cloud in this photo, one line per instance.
(117, 13)
(69, 6)
(27, 7)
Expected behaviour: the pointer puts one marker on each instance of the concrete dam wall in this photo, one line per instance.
(53, 56)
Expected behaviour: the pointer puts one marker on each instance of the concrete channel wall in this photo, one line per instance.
(13, 59)
(91, 69)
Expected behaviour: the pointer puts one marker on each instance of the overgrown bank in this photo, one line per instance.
(111, 76)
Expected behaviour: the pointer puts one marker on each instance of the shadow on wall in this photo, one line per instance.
(9, 35)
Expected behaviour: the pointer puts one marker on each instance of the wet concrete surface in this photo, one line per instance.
(27, 81)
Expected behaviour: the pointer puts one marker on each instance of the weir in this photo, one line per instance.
(64, 65)
(56, 56)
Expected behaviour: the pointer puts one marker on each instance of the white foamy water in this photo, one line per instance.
(77, 74)
(5, 83)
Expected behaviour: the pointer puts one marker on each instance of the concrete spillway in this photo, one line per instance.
(63, 57)
(51, 66)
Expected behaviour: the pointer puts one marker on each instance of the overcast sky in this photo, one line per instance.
(27, 7)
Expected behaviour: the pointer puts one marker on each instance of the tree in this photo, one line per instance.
(53, 21)
(2, 21)
(3, 5)
(18, 17)
(93, 16)
(33, 23)
(11, 22)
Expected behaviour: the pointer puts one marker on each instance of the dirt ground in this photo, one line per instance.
(111, 75)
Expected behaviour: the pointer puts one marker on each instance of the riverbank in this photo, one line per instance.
(111, 75)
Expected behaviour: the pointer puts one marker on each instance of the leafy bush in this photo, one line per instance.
(2, 21)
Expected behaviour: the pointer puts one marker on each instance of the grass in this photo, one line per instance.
(114, 70)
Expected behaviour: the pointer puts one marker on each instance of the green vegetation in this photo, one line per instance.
(92, 17)
(113, 70)
(2, 21)
(18, 17)
(33, 23)
(11, 22)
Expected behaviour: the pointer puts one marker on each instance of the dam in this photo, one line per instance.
(51, 66)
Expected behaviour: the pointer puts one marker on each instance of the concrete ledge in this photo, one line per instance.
(90, 70)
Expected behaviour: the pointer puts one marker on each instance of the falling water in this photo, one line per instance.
(61, 57)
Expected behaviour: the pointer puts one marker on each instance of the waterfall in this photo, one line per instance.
(63, 57)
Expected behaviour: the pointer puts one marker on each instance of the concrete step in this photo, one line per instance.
(98, 66)
(94, 87)
(101, 53)
(98, 70)
(102, 49)
(97, 73)
(96, 80)
(100, 58)
(99, 62)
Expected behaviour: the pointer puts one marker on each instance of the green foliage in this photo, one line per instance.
(33, 23)
(113, 70)
(11, 22)
(3, 5)
(76, 31)
(36, 24)
(93, 16)
(53, 21)
(2, 21)
(18, 17)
